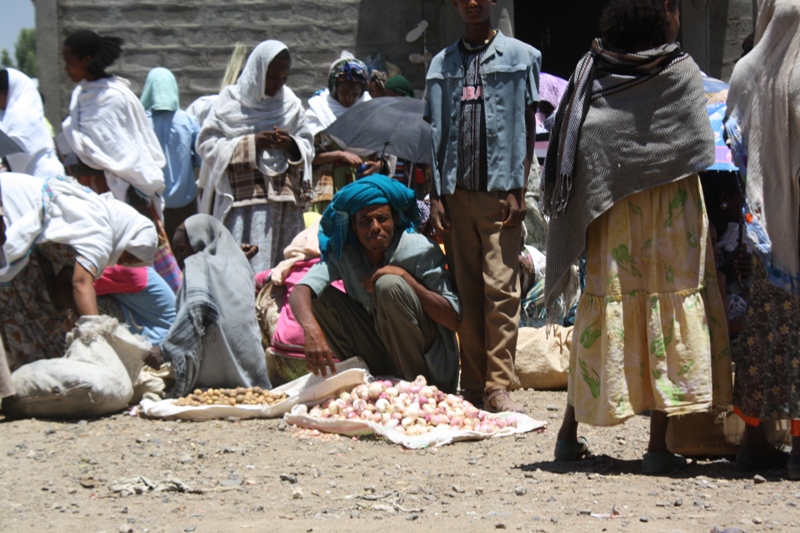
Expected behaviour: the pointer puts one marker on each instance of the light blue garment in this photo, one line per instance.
(510, 79)
(412, 252)
(160, 91)
(150, 312)
(177, 132)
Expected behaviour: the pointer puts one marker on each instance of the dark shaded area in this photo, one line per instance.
(561, 29)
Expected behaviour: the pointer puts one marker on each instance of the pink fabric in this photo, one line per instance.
(551, 89)
(120, 280)
(289, 338)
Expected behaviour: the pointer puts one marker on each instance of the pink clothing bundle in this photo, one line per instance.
(289, 338)
(119, 279)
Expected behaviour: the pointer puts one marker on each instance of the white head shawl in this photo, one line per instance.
(108, 129)
(23, 121)
(763, 98)
(323, 110)
(245, 109)
(98, 228)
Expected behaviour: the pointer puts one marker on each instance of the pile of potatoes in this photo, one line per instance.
(232, 397)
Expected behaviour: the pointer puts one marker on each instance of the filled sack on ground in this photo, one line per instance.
(542, 361)
(94, 378)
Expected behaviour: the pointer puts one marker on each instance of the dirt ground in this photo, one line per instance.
(263, 475)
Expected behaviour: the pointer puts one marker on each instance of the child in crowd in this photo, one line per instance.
(482, 97)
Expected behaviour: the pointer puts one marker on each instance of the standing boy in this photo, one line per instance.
(482, 96)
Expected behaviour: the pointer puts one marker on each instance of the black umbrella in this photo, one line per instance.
(391, 125)
(7, 145)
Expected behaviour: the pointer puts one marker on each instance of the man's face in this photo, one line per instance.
(374, 226)
(474, 11)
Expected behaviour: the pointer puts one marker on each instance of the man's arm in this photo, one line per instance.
(514, 212)
(318, 353)
(433, 303)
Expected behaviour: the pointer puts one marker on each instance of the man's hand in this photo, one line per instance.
(373, 275)
(318, 354)
(439, 218)
(249, 250)
(513, 211)
(154, 359)
(373, 167)
(347, 158)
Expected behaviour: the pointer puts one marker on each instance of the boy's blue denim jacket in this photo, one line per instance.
(510, 77)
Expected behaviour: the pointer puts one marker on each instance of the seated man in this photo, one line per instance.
(400, 311)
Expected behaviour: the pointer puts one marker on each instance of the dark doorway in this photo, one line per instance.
(561, 29)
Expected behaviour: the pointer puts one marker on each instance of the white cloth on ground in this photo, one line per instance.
(23, 121)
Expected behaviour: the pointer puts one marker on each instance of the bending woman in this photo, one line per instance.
(764, 124)
(22, 119)
(215, 340)
(60, 238)
(621, 184)
(107, 127)
(259, 150)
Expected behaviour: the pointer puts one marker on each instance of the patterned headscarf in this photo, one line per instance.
(347, 69)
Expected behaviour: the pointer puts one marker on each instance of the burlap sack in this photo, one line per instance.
(542, 362)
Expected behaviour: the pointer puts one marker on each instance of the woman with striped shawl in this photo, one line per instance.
(621, 187)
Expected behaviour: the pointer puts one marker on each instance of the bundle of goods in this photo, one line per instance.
(243, 403)
(232, 397)
(413, 414)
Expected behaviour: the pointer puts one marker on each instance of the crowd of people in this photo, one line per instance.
(173, 220)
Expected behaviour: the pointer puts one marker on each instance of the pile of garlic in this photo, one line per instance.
(413, 408)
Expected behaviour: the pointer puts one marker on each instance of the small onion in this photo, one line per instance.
(375, 389)
(406, 422)
(392, 392)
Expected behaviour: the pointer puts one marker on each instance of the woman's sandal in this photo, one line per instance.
(659, 463)
(567, 450)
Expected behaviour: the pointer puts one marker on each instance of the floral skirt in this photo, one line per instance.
(650, 330)
(768, 355)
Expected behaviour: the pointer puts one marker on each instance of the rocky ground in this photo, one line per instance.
(264, 475)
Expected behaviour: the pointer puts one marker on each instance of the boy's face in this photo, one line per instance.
(474, 11)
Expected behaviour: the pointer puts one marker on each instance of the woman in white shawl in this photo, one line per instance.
(22, 119)
(60, 237)
(215, 340)
(764, 129)
(258, 150)
(107, 127)
(334, 168)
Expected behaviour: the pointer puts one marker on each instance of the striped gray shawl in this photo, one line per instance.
(628, 122)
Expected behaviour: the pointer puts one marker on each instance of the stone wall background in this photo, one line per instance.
(194, 38)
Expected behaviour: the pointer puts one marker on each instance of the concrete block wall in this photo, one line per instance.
(730, 22)
(194, 38)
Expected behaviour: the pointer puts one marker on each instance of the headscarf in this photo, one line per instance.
(400, 84)
(347, 69)
(108, 130)
(323, 108)
(98, 228)
(764, 126)
(217, 296)
(334, 229)
(160, 91)
(245, 109)
(23, 121)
